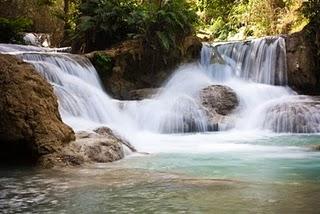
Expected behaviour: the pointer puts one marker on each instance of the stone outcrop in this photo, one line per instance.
(100, 146)
(303, 61)
(218, 103)
(129, 66)
(30, 123)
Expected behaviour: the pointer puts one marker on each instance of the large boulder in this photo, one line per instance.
(303, 61)
(218, 98)
(219, 102)
(30, 123)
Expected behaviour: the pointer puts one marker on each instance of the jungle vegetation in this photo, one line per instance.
(159, 24)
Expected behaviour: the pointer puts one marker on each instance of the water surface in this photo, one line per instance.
(270, 174)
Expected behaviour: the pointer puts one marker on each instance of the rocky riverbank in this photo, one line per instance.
(31, 128)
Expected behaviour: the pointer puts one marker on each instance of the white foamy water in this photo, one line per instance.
(255, 70)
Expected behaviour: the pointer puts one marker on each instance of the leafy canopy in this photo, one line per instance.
(103, 23)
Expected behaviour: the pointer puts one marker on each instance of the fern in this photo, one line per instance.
(107, 22)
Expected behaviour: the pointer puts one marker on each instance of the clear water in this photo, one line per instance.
(265, 174)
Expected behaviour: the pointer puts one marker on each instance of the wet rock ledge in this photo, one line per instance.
(130, 66)
(31, 129)
(100, 146)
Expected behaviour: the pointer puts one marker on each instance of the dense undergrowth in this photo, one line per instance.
(159, 24)
(162, 25)
(11, 29)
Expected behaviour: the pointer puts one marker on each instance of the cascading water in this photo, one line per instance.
(84, 105)
(296, 114)
(252, 69)
(228, 167)
(255, 70)
(259, 60)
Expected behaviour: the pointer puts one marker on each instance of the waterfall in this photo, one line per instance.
(175, 108)
(296, 114)
(255, 70)
(259, 60)
(83, 104)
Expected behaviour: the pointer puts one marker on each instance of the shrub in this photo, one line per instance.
(169, 24)
(103, 23)
(11, 29)
(311, 10)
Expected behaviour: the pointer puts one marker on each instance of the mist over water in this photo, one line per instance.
(255, 70)
(251, 166)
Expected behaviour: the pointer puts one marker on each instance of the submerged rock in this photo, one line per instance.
(130, 66)
(300, 114)
(30, 123)
(141, 94)
(316, 147)
(218, 103)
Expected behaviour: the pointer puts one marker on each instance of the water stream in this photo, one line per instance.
(263, 163)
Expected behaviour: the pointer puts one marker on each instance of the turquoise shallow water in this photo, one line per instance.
(274, 174)
(286, 158)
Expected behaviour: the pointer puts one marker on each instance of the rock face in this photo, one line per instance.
(303, 63)
(100, 146)
(218, 102)
(30, 124)
(129, 66)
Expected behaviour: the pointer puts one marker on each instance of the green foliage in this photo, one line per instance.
(311, 10)
(106, 22)
(168, 24)
(215, 17)
(252, 17)
(104, 63)
(11, 29)
(103, 23)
